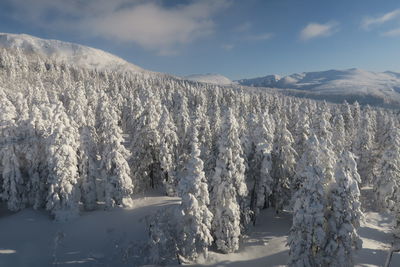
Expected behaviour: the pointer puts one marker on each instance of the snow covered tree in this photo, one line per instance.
(228, 187)
(226, 222)
(182, 121)
(77, 104)
(34, 150)
(302, 129)
(363, 148)
(387, 182)
(62, 181)
(321, 126)
(260, 167)
(21, 107)
(345, 213)
(356, 112)
(348, 124)
(338, 133)
(205, 141)
(117, 182)
(284, 163)
(12, 186)
(88, 168)
(145, 146)
(383, 125)
(168, 152)
(132, 112)
(214, 114)
(196, 218)
(307, 237)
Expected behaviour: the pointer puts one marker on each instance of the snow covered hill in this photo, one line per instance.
(366, 85)
(73, 54)
(209, 78)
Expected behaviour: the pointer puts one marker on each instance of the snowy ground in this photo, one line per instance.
(99, 238)
(113, 238)
(265, 244)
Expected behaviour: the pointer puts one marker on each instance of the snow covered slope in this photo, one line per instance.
(74, 54)
(209, 78)
(354, 82)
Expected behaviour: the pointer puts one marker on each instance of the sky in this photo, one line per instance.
(235, 38)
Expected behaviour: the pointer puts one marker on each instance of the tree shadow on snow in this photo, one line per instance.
(374, 234)
(371, 257)
(277, 259)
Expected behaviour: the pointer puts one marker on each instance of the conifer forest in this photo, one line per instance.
(75, 141)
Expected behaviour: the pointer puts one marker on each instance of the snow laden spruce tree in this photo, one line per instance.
(363, 147)
(11, 184)
(302, 129)
(348, 123)
(117, 184)
(260, 168)
(35, 158)
(195, 230)
(168, 152)
(338, 133)
(63, 193)
(344, 214)
(88, 168)
(387, 182)
(145, 143)
(284, 163)
(228, 187)
(205, 140)
(307, 237)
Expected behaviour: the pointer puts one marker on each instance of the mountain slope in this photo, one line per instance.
(352, 82)
(73, 54)
(332, 85)
(209, 78)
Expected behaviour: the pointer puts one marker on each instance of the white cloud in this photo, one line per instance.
(146, 23)
(372, 21)
(314, 30)
(392, 33)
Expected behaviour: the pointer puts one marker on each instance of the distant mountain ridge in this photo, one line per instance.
(369, 86)
(69, 53)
